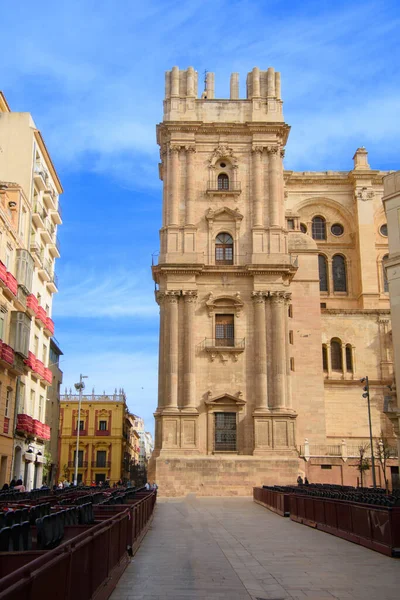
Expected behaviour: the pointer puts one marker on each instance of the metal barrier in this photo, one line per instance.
(85, 567)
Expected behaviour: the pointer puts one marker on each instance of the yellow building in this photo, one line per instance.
(104, 438)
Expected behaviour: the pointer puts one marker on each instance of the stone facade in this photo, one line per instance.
(261, 272)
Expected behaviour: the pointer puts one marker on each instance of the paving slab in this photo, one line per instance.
(201, 548)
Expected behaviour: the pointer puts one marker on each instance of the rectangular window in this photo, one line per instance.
(41, 405)
(224, 330)
(326, 466)
(81, 425)
(80, 458)
(292, 364)
(323, 304)
(101, 458)
(290, 311)
(103, 425)
(8, 402)
(2, 324)
(225, 432)
(21, 399)
(36, 345)
(44, 354)
(290, 337)
(290, 223)
(33, 402)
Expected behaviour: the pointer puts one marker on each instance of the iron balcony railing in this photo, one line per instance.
(101, 464)
(225, 188)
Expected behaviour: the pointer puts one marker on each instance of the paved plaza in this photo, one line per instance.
(234, 549)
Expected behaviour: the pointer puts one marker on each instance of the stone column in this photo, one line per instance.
(164, 160)
(329, 359)
(273, 169)
(278, 331)
(190, 185)
(260, 351)
(257, 186)
(344, 366)
(288, 297)
(160, 298)
(171, 345)
(173, 185)
(189, 371)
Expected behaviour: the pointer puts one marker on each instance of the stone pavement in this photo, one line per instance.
(233, 549)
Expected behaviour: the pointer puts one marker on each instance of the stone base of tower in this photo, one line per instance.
(221, 475)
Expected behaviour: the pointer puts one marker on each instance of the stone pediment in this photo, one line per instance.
(224, 214)
(224, 301)
(225, 400)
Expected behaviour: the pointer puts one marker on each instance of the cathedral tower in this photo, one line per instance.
(229, 387)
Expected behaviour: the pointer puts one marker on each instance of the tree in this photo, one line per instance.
(384, 451)
(362, 462)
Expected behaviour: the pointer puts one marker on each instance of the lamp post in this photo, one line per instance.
(79, 387)
(366, 395)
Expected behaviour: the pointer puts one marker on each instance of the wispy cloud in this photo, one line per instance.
(102, 293)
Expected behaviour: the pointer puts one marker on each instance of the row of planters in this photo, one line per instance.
(91, 556)
(367, 517)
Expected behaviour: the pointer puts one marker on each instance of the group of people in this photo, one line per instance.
(301, 482)
(151, 486)
(16, 485)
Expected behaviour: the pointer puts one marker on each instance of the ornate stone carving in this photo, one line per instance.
(258, 149)
(282, 153)
(224, 301)
(222, 151)
(278, 297)
(172, 296)
(364, 194)
(174, 148)
(258, 297)
(190, 296)
(273, 149)
(160, 297)
(190, 148)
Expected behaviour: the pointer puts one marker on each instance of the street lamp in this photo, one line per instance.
(366, 395)
(79, 387)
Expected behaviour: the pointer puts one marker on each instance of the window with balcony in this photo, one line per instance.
(224, 330)
(3, 314)
(80, 458)
(223, 181)
(8, 402)
(101, 458)
(102, 425)
(225, 432)
(224, 249)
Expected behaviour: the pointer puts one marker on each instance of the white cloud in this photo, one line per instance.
(112, 294)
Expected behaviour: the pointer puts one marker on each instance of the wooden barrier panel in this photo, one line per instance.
(86, 567)
(276, 501)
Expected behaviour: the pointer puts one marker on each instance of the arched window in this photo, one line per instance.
(323, 273)
(224, 249)
(384, 274)
(324, 358)
(349, 358)
(339, 273)
(336, 355)
(223, 181)
(319, 228)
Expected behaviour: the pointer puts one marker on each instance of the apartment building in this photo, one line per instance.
(28, 249)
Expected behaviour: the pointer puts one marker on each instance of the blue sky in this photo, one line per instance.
(92, 75)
